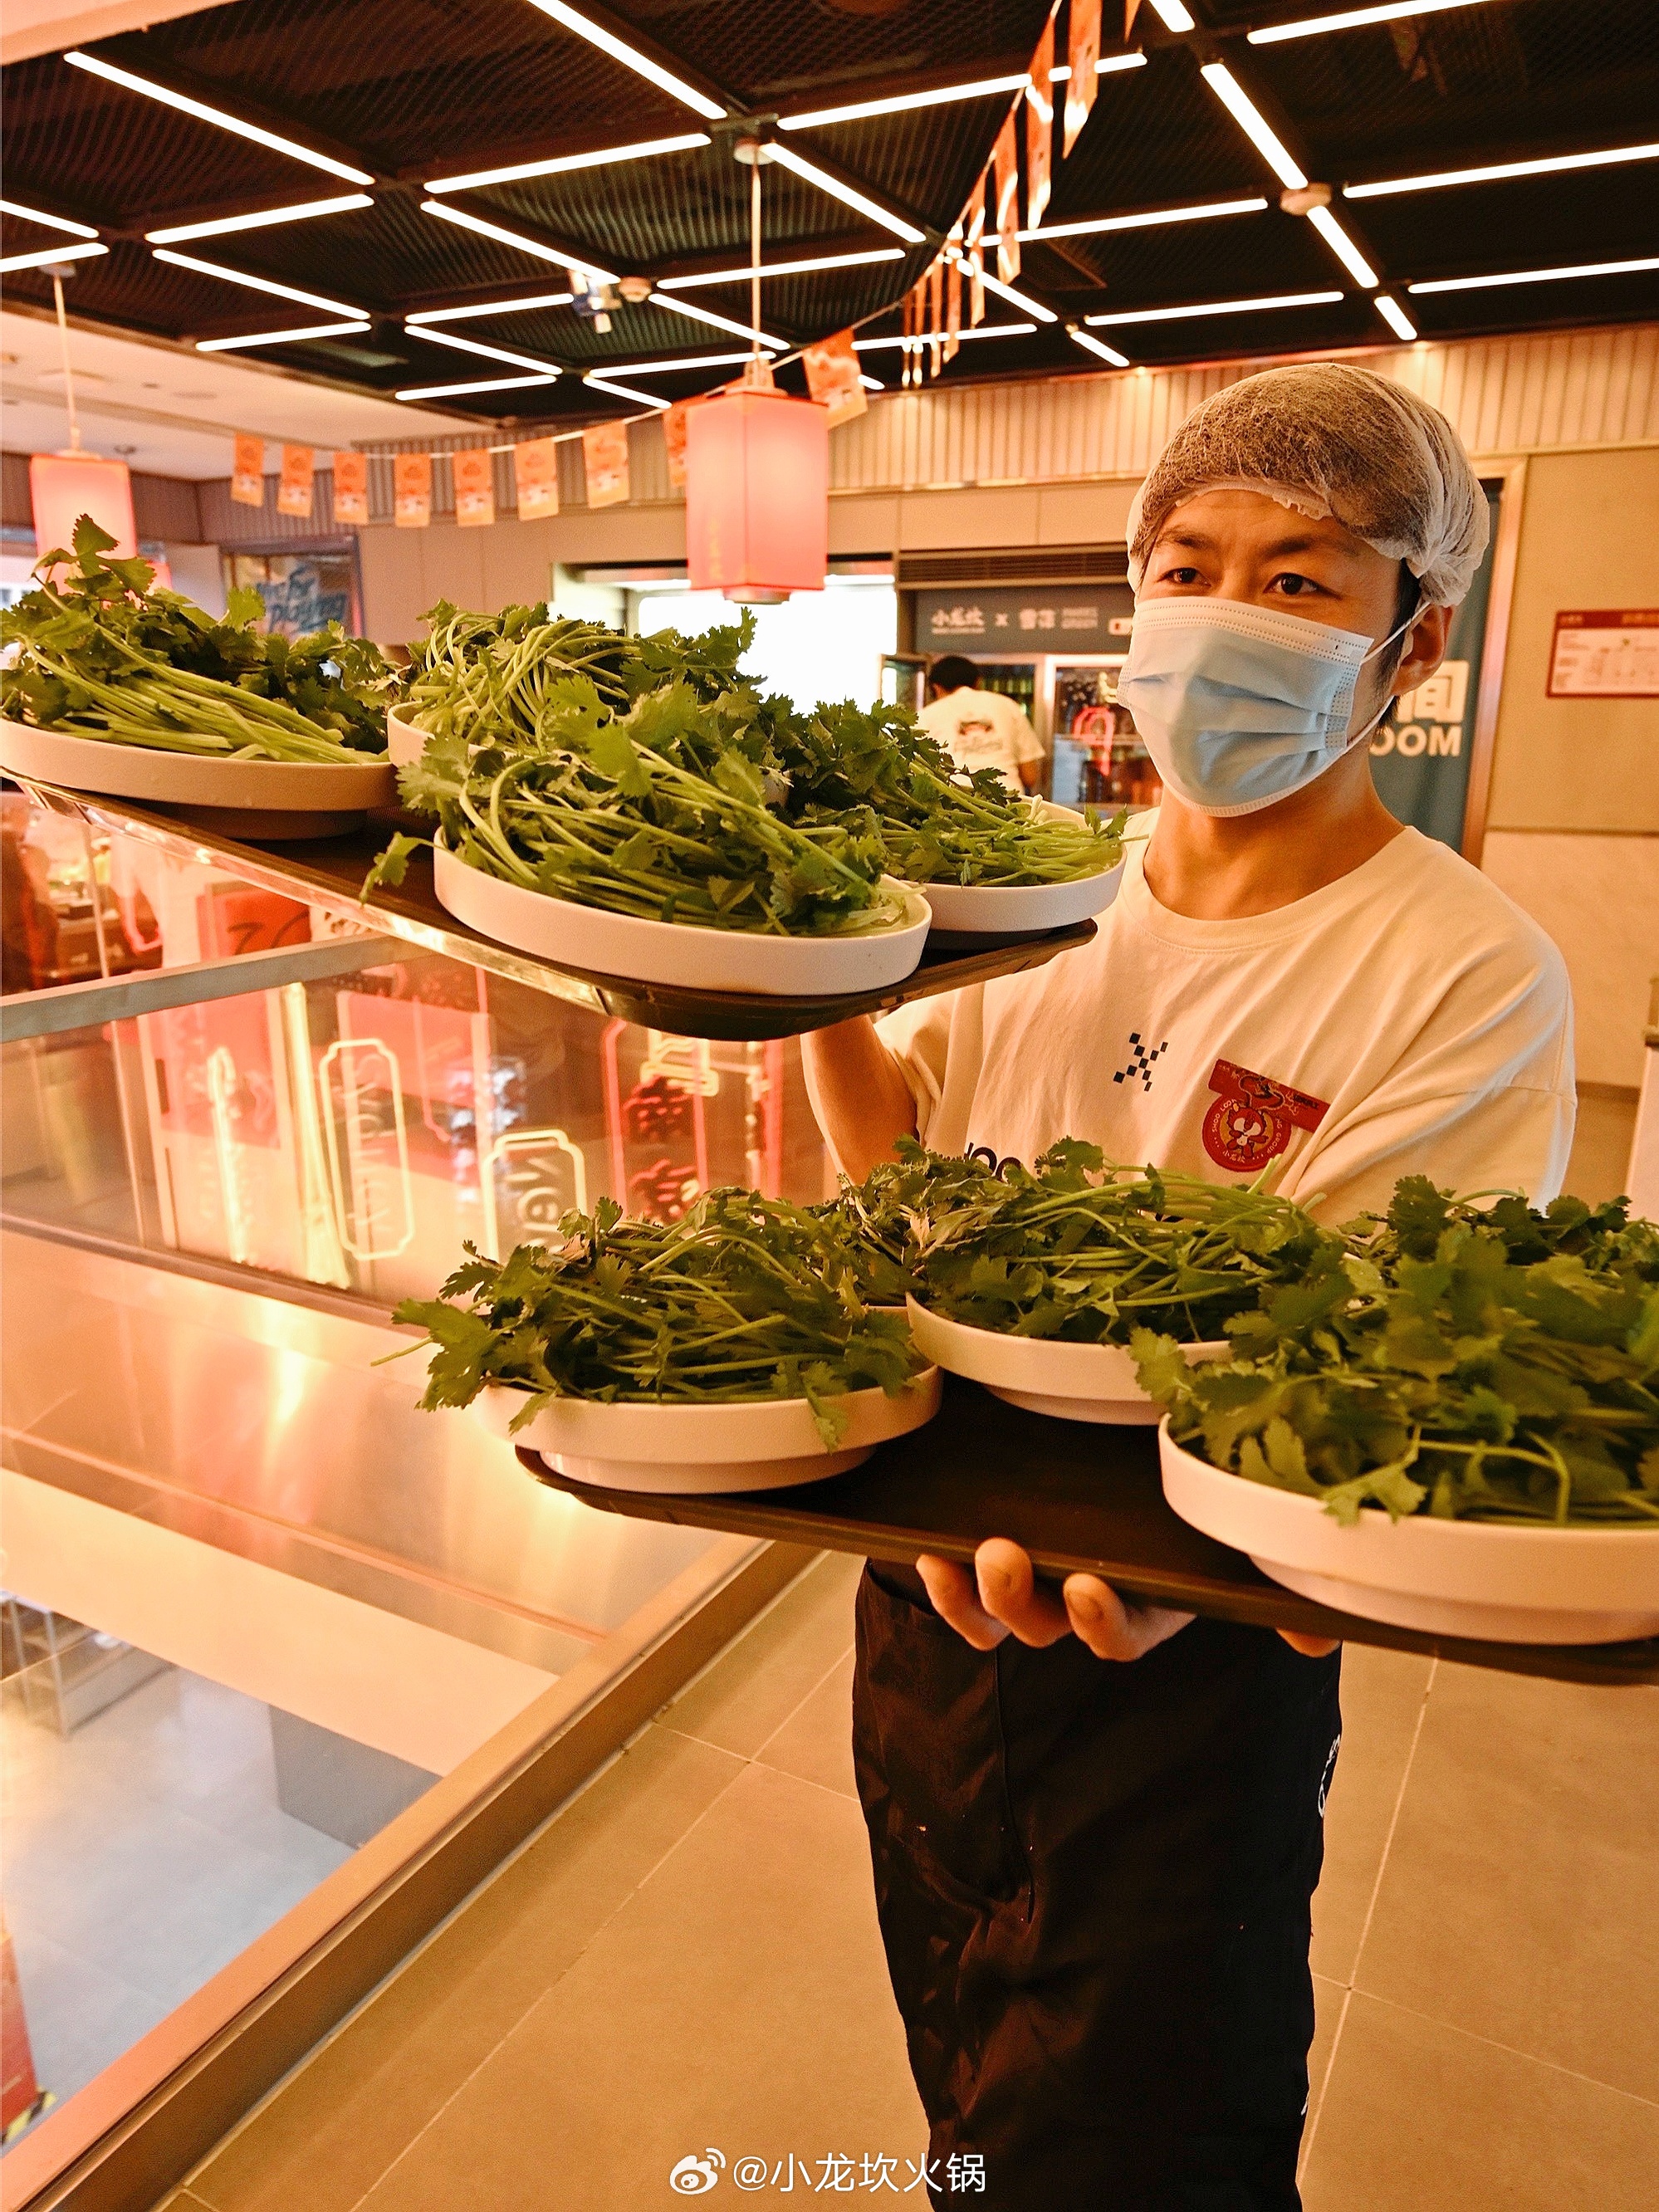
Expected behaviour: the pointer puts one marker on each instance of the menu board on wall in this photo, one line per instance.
(1015, 622)
(1420, 757)
(1606, 653)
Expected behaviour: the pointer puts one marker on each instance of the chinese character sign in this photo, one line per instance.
(294, 489)
(247, 471)
(535, 473)
(475, 487)
(351, 488)
(411, 490)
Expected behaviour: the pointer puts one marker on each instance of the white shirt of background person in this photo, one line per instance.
(981, 729)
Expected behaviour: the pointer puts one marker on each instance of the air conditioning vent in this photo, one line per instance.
(1032, 564)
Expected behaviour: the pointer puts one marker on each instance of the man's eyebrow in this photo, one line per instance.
(1298, 541)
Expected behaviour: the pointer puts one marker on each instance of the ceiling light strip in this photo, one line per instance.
(622, 391)
(461, 391)
(1217, 307)
(281, 337)
(1396, 317)
(676, 306)
(216, 116)
(562, 164)
(488, 352)
(680, 362)
(47, 222)
(1353, 19)
(1096, 346)
(786, 268)
(1536, 275)
(1343, 246)
(1020, 300)
(257, 284)
(1174, 15)
(982, 331)
(1149, 221)
(1496, 172)
(943, 95)
(445, 213)
(302, 211)
(1254, 124)
(711, 111)
(47, 255)
(487, 307)
(810, 173)
(1108, 66)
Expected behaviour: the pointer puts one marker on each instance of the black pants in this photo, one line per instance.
(1093, 1882)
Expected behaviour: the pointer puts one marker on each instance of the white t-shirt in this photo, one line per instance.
(983, 729)
(1406, 1019)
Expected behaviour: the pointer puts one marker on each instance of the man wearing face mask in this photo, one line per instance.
(1094, 1878)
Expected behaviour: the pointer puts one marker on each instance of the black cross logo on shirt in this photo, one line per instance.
(1140, 1061)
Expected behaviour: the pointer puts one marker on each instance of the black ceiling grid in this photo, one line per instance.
(414, 90)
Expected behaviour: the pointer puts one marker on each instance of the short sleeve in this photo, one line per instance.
(938, 1045)
(1510, 1140)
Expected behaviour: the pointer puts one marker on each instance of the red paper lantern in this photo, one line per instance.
(758, 495)
(63, 487)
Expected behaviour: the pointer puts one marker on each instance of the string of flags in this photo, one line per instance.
(833, 378)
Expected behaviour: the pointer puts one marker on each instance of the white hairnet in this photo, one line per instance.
(1327, 438)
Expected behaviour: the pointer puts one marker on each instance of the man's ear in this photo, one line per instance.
(1425, 649)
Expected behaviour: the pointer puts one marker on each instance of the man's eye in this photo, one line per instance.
(1293, 585)
(1180, 576)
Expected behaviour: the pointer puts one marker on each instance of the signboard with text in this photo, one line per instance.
(1605, 652)
(1014, 621)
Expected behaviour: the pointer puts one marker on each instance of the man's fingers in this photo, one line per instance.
(1111, 1629)
(1011, 1593)
(1311, 1647)
(955, 1599)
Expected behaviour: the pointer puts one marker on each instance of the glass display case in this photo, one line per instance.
(1097, 757)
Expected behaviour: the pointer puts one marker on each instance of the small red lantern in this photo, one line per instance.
(63, 487)
(758, 495)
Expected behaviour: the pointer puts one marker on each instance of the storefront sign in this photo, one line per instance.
(604, 456)
(351, 488)
(247, 471)
(833, 376)
(475, 487)
(411, 490)
(535, 473)
(293, 487)
(1608, 653)
(1420, 757)
(1011, 623)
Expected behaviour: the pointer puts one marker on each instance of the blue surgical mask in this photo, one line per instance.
(1239, 705)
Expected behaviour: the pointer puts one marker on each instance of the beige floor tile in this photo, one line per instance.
(739, 2001)
(1419, 2118)
(1381, 1702)
(815, 1741)
(756, 1684)
(1518, 1900)
(330, 2133)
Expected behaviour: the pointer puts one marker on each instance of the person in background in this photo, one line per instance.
(1097, 1825)
(980, 729)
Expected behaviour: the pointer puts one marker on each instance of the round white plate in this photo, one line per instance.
(1072, 1381)
(676, 953)
(995, 910)
(1512, 1585)
(765, 1444)
(121, 771)
(404, 741)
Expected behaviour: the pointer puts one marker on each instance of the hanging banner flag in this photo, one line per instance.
(605, 456)
(1039, 127)
(953, 295)
(247, 471)
(833, 377)
(411, 490)
(536, 474)
(1083, 51)
(475, 487)
(1004, 161)
(294, 491)
(1131, 9)
(974, 217)
(936, 315)
(673, 438)
(351, 488)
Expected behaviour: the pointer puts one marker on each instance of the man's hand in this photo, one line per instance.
(1002, 1596)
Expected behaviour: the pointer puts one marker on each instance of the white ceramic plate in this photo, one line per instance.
(296, 788)
(1512, 1585)
(1072, 1381)
(981, 910)
(676, 953)
(768, 1443)
(406, 742)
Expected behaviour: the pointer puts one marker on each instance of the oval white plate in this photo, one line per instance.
(121, 771)
(1513, 1585)
(1012, 910)
(763, 1443)
(404, 741)
(1072, 1381)
(678, 952)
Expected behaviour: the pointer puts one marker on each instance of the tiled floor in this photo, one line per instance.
(687, 1958)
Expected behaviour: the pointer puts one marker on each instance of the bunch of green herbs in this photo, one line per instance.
(745, 1298)
(1488, 1362)
(100, 653)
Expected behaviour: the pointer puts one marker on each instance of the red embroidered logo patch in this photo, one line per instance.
(1251, 1120)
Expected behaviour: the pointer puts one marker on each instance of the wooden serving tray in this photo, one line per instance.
(1076, 1495)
